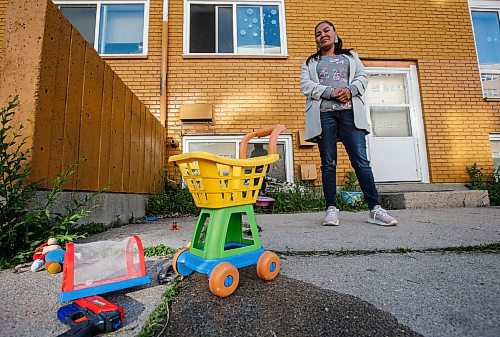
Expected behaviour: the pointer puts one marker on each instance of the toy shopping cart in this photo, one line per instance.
(225, 189)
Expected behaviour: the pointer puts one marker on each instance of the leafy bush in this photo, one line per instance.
(350, 182)
(292, 199)
(23, 228)
(171, 202)
(15, 193)
(159, 250)
(295, 199)
(481, 181)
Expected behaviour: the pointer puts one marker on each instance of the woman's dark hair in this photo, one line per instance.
(337, 45)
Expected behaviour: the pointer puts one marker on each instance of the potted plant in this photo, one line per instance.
(350, 190)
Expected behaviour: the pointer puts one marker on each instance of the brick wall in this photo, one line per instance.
(251, 93)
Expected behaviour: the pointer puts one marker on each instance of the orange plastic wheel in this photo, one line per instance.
(180, 270)
(224, 279)
(268, 266)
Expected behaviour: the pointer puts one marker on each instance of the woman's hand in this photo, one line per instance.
(341, 94)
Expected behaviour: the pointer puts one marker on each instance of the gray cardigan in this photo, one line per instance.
(310, 87)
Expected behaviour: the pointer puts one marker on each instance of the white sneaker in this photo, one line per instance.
(379, 216)
(332, 217)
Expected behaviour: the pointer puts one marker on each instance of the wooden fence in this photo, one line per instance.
(74, 107)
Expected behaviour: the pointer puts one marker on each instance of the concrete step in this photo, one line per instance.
(420, 195)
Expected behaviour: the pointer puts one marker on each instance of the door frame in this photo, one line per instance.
(416, 116)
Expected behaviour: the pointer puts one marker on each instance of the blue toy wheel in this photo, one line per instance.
(178, 263)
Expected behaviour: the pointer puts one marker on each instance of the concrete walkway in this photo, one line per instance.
(425, 292)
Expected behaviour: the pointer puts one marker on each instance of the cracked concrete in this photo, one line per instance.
(432, 294)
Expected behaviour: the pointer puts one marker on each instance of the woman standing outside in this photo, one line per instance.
(334, 81)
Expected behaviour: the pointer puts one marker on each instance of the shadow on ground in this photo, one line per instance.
(283, 307)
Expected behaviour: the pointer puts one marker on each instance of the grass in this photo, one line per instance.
(483, 248)
(159, 250)
(158, 321)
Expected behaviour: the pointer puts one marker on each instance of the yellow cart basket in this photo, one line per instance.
(217, 182)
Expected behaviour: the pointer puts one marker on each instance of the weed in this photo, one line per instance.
(171, 202)
(350, 182)
(25, 222)
(158, 320)
(159, 250)
(481, 181)
(482, 248)
(296, 198)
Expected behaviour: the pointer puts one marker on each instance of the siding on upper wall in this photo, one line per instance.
(251, 93)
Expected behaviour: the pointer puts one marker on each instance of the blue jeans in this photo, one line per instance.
(339, 125)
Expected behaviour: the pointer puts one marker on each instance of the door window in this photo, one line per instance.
(393, 107)
(389, 105)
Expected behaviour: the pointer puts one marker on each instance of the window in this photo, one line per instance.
(234, 28)
(389, 105)
(486, 23)
(111, 27)
(228, 146)
(495, 149)
(491, 92)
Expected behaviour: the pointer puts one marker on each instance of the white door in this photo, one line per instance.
(396, 145)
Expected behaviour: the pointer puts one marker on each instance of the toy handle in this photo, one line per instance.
(274, 131)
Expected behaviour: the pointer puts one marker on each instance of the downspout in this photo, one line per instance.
(164, 54)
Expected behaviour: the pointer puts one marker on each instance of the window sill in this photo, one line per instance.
(124, 56)
(222, 56)
(491, 99)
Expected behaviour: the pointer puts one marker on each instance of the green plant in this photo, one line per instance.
(90, 228)
(297, 198)
(346, 200)
(158, 321)
(15, 192)
(159, 250)
(174, 201)
(350, 182)
(482, 181)
(43, 222)
(25, 223)
(477, 179)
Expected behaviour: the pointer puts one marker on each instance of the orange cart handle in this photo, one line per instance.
(274, 131)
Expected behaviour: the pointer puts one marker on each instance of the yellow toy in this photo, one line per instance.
(225, 189)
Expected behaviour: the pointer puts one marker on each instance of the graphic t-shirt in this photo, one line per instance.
(333, 71)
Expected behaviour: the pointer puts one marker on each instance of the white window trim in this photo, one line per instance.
(416, 117)
(98, 21)
(186, 31)
(286, 139)
(483, 5)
